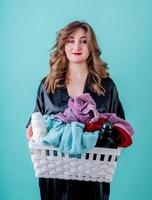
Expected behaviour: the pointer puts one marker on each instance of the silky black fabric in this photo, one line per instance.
(55, 189)
(58, 189)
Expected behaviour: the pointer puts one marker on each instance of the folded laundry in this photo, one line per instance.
(80, 108)
(69, 137)
(83, 109)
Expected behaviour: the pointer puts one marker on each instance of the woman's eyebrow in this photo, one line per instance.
(80, 37)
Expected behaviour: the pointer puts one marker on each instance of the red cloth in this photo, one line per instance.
(124, 139)
(94, 126)
(121, 135)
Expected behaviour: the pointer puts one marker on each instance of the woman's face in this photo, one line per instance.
(76, 48)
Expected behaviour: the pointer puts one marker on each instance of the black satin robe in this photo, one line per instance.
(58, 189)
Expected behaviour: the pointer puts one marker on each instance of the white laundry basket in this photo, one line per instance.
(99, 164)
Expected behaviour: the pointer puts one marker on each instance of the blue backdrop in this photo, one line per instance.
(28, 29)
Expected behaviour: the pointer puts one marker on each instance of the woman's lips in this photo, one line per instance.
(77, 54)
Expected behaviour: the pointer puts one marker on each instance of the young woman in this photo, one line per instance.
(75, 68)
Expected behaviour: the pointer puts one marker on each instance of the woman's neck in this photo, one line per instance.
(77, 70)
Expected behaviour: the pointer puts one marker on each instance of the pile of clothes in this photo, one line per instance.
(81, 127)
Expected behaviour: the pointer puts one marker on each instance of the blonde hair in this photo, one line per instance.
(58, 61)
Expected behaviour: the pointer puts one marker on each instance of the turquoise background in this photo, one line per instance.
(28, 29)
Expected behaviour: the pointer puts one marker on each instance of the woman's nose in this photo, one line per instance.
(77, 45)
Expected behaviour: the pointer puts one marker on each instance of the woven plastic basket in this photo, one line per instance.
(99, 164)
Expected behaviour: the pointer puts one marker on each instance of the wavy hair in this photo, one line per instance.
(58, 62)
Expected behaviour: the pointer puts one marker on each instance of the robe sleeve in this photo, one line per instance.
(115, 103)
(39, 104)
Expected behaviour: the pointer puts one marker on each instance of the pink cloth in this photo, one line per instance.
(80, 108)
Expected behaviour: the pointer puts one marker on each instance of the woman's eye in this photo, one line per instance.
(81, 41)
(70, 41)
(84, 41)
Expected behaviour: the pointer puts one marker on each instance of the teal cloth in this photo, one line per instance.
(69, 137)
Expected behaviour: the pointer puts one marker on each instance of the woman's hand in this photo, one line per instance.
(29, 132)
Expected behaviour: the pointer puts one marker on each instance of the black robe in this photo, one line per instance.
(59, 189)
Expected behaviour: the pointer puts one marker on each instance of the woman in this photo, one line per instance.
(75, 68)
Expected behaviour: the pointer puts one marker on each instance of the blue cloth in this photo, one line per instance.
(50, 122)
(69, 137)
